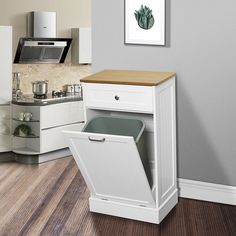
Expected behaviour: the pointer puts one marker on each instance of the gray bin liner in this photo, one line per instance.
(124, 127)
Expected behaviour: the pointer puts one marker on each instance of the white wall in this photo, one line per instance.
(201, 38)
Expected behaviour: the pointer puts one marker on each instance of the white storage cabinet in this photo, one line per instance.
(5, 88)
(81, 47)
(47, 124)
(110, 164)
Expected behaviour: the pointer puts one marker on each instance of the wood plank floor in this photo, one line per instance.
(52, 199)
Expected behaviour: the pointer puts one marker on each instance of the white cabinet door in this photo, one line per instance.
(111, 167)
(5, 64)
(81, 47)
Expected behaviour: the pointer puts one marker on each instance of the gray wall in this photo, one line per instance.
(202, 50)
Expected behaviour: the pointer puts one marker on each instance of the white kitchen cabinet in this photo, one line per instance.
(5, 64)
(81, 47)
(47, 124)
(61, 114)
(52, 139)
(5, 88)
(112, 168)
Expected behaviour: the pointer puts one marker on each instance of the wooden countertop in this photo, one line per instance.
(129, 77)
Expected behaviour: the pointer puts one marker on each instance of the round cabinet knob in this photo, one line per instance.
(117, 98)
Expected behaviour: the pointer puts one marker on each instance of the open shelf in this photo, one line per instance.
(28, 136)
(5, 105)
(5, 135)
(25, 151)
(15, 119)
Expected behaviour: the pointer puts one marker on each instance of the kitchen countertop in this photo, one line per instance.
(28, 100)
(145, 78)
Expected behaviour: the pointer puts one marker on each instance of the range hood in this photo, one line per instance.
(42, 46)
(42, 50)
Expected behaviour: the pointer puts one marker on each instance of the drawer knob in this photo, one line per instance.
(117, 98)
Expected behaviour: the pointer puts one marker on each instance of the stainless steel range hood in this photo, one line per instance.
(42, 46)
(42, 50)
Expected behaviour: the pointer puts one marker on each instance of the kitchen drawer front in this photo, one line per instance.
(53, 139)
(119, 97)
(61, 114)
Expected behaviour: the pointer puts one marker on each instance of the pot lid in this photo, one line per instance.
(40, 82)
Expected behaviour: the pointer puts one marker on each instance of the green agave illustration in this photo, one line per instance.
(144, 17)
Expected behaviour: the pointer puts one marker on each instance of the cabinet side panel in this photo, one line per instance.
(5, 128)
(75, 46)
(166, 137)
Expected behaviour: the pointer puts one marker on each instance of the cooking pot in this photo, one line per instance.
(70, 88)
(40, 87)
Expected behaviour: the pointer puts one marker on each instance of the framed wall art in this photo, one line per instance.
(145, 22)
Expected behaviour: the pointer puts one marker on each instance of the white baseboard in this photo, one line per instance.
(207, 191)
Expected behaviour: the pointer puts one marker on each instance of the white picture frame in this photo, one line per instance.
(145, 22)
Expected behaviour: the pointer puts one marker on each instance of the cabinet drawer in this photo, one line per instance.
(61, 114)
(53, 139)
(119, 97)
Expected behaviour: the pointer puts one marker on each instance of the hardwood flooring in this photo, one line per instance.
(52, 199)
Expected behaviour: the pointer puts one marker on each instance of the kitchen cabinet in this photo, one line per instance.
(5, 88)
(46, 124)
(112, 167)
(81, 47)
(5, 64)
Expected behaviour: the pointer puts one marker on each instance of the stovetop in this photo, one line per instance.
(53, 95)
(29, 99)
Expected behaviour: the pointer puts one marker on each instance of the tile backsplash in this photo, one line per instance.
(57, 75)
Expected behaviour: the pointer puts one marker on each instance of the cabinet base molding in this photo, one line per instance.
(146, 214)
(207, 191)
(40, 158)
(7, 157)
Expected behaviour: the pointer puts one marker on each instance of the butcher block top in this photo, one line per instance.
(129, 77)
